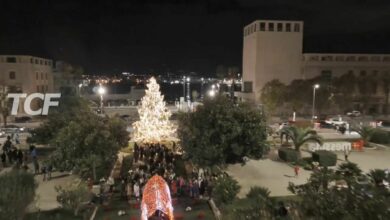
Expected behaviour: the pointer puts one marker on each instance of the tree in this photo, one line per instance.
(357, 201)
(260, 202)
(365, 133)
(6, 103)
(226, 131)
(17, 191)
(71, 108)
(273, 95)
(378, 176)
(225, 189)
(87, 145)
(300, 136)
(73, 196)
(154, 124)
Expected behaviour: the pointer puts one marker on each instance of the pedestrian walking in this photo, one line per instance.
(44, 172)
(296, 170)
(346, 154)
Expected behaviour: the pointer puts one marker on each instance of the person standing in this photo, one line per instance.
(136, 190)
(3, 159)
(34, 156)
(129, 189)
(7, 148)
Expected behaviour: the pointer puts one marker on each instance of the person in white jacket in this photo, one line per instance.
(136, 191)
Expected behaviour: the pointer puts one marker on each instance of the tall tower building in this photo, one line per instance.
(271, 50)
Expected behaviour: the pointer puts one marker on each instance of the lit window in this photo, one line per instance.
(280, 27)
(288, 27)
(12, 75)
(296, 27)
(270, 26)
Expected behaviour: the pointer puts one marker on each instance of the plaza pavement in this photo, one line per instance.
(45, 194)
(275, 175)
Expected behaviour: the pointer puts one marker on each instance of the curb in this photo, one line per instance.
(214, 208)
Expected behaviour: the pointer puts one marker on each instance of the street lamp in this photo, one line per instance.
(80, 85)
(212, 93)
(101, 91)
(315, 87)
(184, 87)
(188, 89)
(201, 88)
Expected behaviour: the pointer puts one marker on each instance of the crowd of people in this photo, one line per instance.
(12, 156)
(151, 159)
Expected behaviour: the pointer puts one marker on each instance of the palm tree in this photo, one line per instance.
(349, 169)
(261, 202)
(300, 136)
(365, 133)
(377, 175)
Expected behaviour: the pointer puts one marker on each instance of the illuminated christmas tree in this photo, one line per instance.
(154, 125)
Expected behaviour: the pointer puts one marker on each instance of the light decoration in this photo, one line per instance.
(156, 196)
(154, 125)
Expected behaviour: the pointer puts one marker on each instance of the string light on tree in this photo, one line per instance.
(154, 125)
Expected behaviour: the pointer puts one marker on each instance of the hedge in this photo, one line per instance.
(325, 158)
(380, 137)
(288, 154)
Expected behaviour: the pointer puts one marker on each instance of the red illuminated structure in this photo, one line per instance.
(156, 200)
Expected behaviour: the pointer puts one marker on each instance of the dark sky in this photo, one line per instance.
(154, 35)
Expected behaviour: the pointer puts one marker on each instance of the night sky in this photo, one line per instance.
(144, 36)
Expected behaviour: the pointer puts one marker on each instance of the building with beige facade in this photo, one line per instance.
(26, 74)
(272, 49)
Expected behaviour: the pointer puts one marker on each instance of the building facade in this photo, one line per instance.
(26, 74)
(67, 78)
(273, 50)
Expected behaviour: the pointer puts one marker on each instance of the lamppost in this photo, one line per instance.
(101, 91)
(315, 87)
(80, 86)
(188, 89)
(184, 87)
(201, 88)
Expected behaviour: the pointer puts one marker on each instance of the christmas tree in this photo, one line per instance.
(154, 125)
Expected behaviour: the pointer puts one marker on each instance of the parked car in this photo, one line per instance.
(324, 124)
(12, 129)
(353, 113)
(383, 123)
(23, 119)
(337, 121)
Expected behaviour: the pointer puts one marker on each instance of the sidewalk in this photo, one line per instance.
(45, 194)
